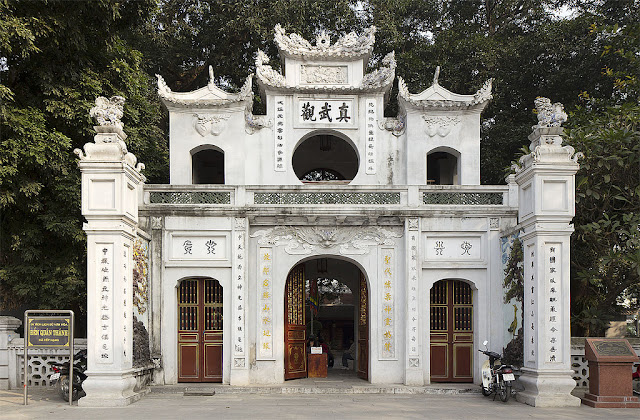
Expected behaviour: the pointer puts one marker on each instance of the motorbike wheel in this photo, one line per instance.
(485, 391)
(62, 386)
(505, 393)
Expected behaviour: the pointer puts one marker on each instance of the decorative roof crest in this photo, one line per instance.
(438, 97)
(350, 45)
(210, 95)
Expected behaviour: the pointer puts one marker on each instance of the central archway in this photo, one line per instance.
(327, 299)
(325, 157)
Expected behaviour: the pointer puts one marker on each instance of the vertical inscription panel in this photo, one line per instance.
(104, 285)
(370, 143)
(530, 298)
(265, 304)
(387, 299)
(553, 303)
(412, 295)
(279, 145)
(239, 308)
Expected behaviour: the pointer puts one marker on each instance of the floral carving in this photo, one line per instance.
(349, 240)
(108, 111)
(213, 124)
(323, 74)
(438, 125)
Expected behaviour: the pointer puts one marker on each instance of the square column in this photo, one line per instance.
(546, 206)
(414, 374)
(111, 188)
(239, 366)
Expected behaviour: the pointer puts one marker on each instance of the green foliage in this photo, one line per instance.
(56, 60)
(606, 243)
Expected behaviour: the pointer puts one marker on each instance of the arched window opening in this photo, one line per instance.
(208, 167)
(325, 158)
(442, 169)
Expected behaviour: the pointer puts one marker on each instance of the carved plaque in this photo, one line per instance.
(609, 349)
(323, 75)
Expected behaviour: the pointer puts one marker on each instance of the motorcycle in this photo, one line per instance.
(497, 378)
(60, 376)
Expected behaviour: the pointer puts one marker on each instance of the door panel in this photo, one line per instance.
(451, 331)
(295, 356)
(363, 330)
(200, 331)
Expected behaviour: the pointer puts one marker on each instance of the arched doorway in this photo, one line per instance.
(442, 167)
(341, 317)
(207, 166)
(451, 315)
(200, 330)
(325, 157)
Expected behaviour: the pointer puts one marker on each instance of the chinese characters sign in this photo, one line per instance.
(201, 247)
(239, 288)
(334, 112)
(104, 253)
(265, 303)
(553, 302)
(387, 316)
(412, 295)
(370, 143)
(279, 135)
(530, 298)
(453, 248)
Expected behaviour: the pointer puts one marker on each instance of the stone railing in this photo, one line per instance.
(412, 196)
(39, 369)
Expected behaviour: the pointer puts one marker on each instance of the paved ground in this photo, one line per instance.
(45, 404)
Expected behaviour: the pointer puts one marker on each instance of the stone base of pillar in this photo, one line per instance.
(548, 388)
(109, 389)
(239, 377)
(413, 377)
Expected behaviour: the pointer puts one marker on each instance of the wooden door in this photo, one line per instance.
(363, 330)
(451, 331)
(200, 331)
(295, 355)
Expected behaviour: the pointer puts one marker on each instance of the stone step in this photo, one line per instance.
(209, 390)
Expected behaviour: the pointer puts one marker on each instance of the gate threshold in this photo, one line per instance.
(318, 387)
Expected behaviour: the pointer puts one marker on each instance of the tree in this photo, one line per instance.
(605, 260)
(55, 61)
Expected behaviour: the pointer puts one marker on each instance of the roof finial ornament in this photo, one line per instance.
(436, 75)
(211, 78)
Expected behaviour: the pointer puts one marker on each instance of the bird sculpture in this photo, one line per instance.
(514, 324)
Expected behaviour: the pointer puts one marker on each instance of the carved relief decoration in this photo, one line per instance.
(254, 123)
(397, 125)
(305, 240)
(108, 111)
(331, 75)
(210, 123)
(439, 125)
(267, 74)
(549, 115)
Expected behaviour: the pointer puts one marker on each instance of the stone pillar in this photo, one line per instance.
(8, 326)
(111, 187)
(546, 184)
(414, 374)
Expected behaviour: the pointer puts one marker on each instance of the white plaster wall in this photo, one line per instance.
(464, 137)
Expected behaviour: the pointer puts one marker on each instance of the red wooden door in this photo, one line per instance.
(363, 330)
(451, 331)
(200, 331)
(295, 355)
